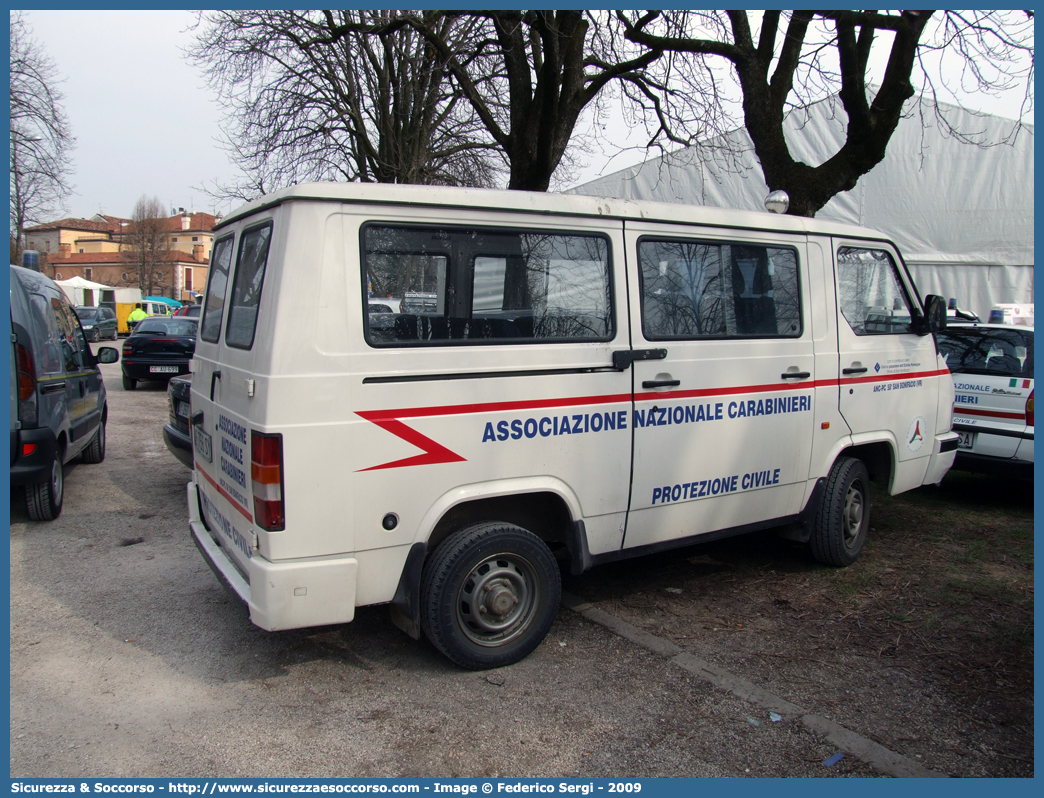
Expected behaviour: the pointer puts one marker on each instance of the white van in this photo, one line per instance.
(585, 380)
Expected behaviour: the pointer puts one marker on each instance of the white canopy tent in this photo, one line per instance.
(74, 288)
(961, 214)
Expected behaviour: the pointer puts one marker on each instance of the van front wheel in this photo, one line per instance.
(844, 514)
(489, 594)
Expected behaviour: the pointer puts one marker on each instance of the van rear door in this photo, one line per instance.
(224, 368)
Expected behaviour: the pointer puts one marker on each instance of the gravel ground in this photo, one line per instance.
(128, 659)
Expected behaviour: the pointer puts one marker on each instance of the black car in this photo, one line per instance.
(97, 323)
(158, 349)
(177, 434)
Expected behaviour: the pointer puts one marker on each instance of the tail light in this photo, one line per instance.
(26, 386)
(26, 373)
(266, 473)
(127, 348)
(1029, 410)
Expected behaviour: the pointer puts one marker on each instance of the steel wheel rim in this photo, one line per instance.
(497, 600)
(852, 518)
(56, 482)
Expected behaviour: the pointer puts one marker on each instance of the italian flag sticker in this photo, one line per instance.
(1015, 384)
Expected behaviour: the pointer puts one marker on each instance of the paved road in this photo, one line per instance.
(129, 659)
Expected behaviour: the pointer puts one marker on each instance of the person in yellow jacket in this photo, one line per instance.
(136, 315)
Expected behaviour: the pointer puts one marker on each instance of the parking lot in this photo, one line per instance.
(129, 659)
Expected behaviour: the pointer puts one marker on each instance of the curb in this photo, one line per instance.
(874, 754)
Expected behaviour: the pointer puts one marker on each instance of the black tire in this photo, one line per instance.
(95, 450)
(844, 514)
(129, 384)
(513, 571)
(115, 334)
(44, 500)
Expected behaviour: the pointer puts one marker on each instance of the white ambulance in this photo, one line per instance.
(581, 380)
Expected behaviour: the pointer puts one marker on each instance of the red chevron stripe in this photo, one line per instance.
(434, 452)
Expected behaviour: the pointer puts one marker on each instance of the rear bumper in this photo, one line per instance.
(994, 466)
(941, 459)
(179, 444)
(280, 595)
(33, 468)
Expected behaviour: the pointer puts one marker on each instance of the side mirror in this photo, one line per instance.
(934, 319)
(106, 354)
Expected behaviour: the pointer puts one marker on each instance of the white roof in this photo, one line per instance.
(544, 203)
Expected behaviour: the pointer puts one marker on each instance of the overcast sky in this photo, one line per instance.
(144, 122)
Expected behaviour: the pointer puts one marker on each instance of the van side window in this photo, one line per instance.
(873, 301)
(50, 360)
(69, 336)
(693, 289)
(473, 285)
(246, 289)
(210, 324)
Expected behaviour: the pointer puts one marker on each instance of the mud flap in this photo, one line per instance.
(405, 606)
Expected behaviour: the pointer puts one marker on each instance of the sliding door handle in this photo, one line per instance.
(661, 383)
(622, 358)
(795, 375)
(860, 370)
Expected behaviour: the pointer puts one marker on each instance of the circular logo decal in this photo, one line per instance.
(915, 434)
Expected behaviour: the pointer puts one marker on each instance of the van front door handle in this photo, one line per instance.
(860, 370)
(660, 383)
(795, 375)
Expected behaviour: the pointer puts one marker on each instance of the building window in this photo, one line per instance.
(81, 250)
(195, 238)
(174, 240)
(188, 279)
(88, 274)
(57, 275)
(125, 277)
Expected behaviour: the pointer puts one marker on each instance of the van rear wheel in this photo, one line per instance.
(489, 594)
(844, 514)
(44, 499)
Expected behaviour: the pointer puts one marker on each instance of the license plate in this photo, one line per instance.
(202, 443)
(965, 440)
(182, 409)
(163, 369)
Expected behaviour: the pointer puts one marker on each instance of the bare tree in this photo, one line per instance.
(799, 56)
(145, 247)
(530, 76)
(41, 139)
(321, 95)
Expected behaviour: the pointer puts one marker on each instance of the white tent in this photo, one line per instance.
(79, 282)
(962, 215)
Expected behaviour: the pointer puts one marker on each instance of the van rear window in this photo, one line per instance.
(474, 285)
(221, 263)
(246, 289)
